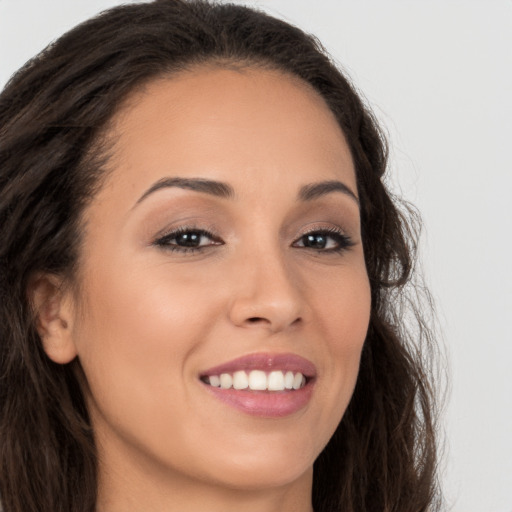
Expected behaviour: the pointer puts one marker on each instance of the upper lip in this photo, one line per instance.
(266, 362)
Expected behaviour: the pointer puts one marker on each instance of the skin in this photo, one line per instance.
(148, 320)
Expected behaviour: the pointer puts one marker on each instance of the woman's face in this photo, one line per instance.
(224, 243)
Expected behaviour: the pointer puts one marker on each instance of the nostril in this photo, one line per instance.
(255, 319)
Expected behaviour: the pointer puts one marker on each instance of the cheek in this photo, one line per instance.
(130, 312)
(137, 337)
(342, 320)
(343, 310)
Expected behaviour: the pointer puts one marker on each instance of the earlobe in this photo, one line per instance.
(53, 316)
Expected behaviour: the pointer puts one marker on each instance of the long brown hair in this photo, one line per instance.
(53, 113)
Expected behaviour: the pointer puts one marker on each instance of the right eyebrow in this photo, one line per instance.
(215, 188)
(322, 188)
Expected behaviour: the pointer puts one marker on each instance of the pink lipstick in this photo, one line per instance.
(267, 385)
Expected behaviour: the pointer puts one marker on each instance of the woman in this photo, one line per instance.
(200, 273)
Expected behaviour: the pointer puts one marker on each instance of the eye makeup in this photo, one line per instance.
(188, 224)
(332, 240)
(188, 239)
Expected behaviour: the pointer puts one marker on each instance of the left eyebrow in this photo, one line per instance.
(316, 190)
(215, 188)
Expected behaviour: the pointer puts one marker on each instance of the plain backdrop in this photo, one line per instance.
(438, 74)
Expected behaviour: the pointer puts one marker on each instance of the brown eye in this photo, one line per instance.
(315, 241)
(185, 239)
(190, 239)
(324, 240)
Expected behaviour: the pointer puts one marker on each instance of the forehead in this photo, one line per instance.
(232, 125)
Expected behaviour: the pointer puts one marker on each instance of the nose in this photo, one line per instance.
(267, 294)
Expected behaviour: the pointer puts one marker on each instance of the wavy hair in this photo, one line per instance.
(53, 116)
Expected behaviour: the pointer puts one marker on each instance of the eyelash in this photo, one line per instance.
(343, 241)
(164, 240)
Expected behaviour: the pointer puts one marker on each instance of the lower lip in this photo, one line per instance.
(266, 404)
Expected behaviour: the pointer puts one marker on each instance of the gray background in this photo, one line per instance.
(439, 76)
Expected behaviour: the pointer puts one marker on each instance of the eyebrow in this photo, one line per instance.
(316, 190)
(226, 191)
(214, 188)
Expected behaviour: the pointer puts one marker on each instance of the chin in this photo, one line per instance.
(264, 476)
(265, 467)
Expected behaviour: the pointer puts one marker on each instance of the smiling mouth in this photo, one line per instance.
(257, 380)
(267, 385)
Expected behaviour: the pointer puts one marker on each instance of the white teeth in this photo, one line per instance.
(276, 381)
(297, 381)
(240, 380)
(214, 381)
(226, 381)
(258, 380)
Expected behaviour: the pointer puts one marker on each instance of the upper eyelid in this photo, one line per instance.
(178, 231)
(326, 227)
(175, 230)
(210, 229)
(217, 240)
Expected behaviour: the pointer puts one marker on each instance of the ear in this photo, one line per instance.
(53, 309)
